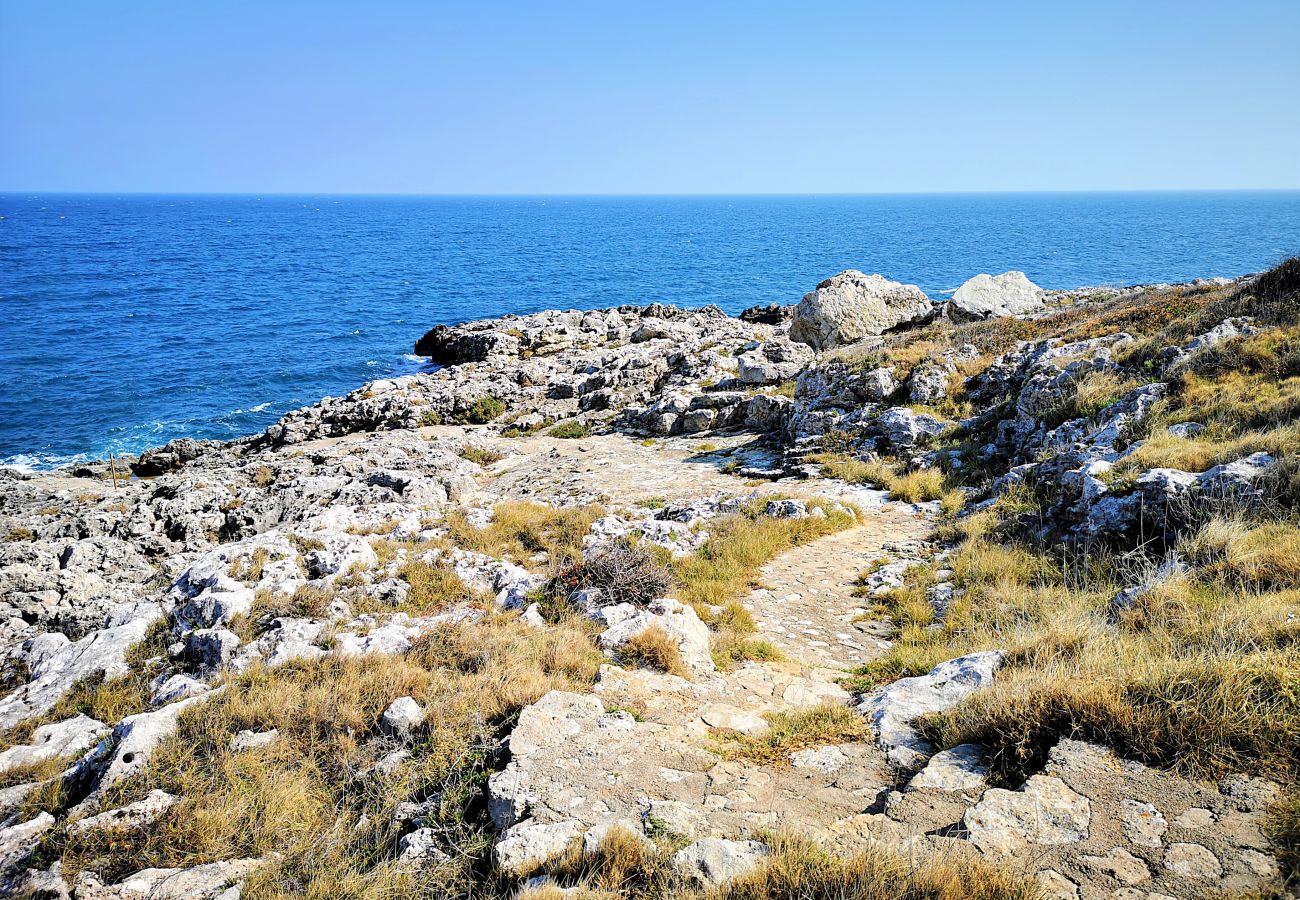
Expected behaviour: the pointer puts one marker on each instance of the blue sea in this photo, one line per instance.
(131, 320)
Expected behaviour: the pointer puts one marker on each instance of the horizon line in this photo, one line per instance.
(614, 195)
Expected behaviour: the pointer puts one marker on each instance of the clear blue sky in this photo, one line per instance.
(657, 96)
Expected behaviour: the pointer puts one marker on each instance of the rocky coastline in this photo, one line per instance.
(937, 519)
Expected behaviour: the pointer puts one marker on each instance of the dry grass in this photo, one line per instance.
(1260, 556)
(311, 795)
(799, 869)
(434, 587)
(796, 868)
(483, 456)
(654, 648)
(1162, 450)
(250, 570)
(789, 732)
(728, 563)
(1207, 713)
(917, 486)
(519, 530)
(846, 468)
(730, 647)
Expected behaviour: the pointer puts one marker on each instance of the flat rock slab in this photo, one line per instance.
(1093, 825)
(571, 760)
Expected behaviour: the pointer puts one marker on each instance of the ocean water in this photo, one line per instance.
(132, 320)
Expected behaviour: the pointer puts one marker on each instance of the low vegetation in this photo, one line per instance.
(479, 412)
(571, 429)
(789, 732)
(483, 456)
(315, 796)
(796, 868)
(621, 572)
(653, 648)
(521, 530)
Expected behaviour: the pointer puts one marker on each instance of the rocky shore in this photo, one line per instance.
(651, 601)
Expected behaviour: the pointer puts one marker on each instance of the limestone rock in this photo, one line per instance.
(851, 305)
(1045, 811)
(74, 735)
(133, 815)
(205, 882)
(525, 847)
(891, 709)
(1121, 865)
(1144, 825)
(958, 769)
(402, 717)
(679, 621)
(254, 740)
(1192, 861)
(986, 296)
(714, 861)
(903, 428)
(101, 651)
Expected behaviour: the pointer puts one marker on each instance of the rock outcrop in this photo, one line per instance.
(988, 296)
(851, 305)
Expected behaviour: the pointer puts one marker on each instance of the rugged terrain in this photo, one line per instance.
(867, 597)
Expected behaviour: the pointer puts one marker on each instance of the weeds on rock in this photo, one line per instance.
(572, 429)
(621, 572)
(789, 732)
(519, 530)
(653, 648)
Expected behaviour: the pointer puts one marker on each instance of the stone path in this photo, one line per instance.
(806, 606)
(615, 468)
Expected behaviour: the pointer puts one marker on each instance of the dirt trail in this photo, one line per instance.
(806, 605)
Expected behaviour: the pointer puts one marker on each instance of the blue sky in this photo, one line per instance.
(648, 97)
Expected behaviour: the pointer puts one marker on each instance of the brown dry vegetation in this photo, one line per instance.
(797, 868)
(313, 796)
(520, 530)
(653, 648)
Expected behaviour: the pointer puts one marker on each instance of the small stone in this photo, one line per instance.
(253, 740)
(1121, 865)
(177, 687)
(958, 769)
(823, 759)
(65, 738)
(669, 817)
(1143, 823)
(1056, 886)
(1193, 818)
(133, 815)
(211, 647)
(421, 844)
(733, 719)
(1046, 811)
(526, 846)
(402, 717)
(1260, 864)
(1192, 861)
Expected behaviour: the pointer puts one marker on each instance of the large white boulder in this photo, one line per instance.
(892, 709)
(988, 296)
(850, 306)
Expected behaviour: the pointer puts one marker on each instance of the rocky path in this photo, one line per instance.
(806, 606)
